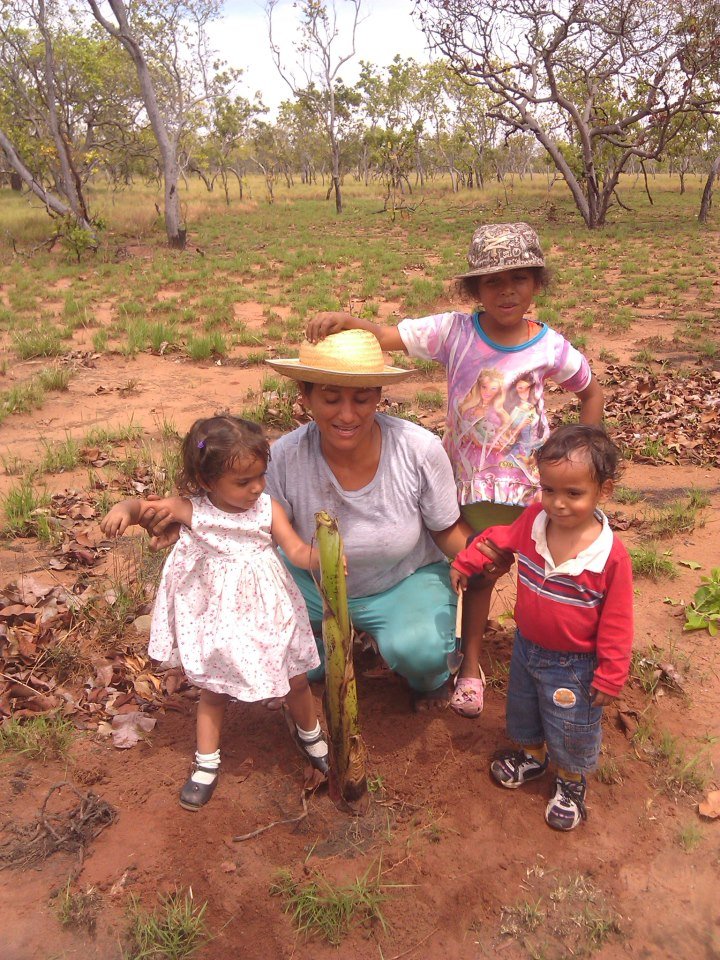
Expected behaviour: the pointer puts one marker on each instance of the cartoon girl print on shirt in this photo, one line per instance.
(524, 417)
(482, 414)
(524, 437)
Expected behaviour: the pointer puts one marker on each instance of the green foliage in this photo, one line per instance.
(430, 399)
(174, 931)
(324, 908)
(626, 495)
(37, 738)
(77, 908)
(42, 341)
(703, 613)
(680, 772)
(689, 836)
(206, 346)
(274, 407)
(647, 562)
(77, 238)
(678, 517)
(26, 511)
(25, 397)
(60, 456)
(55, 378)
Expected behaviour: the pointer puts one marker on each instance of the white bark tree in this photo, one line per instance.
(320, 67)
(53, 203)
(596, 82)
(167, 42)
(29, 75)
(706, 202)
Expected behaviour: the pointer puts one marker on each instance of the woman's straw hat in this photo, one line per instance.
(351, 358)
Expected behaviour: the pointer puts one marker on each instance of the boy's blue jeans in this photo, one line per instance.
(412, 622)
(549, 701)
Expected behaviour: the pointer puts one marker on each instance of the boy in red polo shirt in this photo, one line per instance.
(574, 616)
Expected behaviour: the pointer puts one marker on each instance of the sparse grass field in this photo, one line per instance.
(105, 362)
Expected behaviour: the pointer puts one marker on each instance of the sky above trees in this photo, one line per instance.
(241, 38)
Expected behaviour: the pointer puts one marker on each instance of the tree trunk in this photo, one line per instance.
(348, 782)
(53, 203)
(706, 202)
(69, 179)
(15, 182)
(336, 176)
(167, 144)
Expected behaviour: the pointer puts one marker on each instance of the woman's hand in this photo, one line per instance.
(501, 562)
(117, 520)
(161, 526)
(324, 324)
(167, 539)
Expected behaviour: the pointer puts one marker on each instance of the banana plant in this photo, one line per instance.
(348, 781)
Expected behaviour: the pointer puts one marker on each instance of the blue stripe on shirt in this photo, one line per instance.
(560, 589)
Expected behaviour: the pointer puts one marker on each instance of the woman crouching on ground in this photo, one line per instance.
(390, 484)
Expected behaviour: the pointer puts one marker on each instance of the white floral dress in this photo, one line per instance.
(229, 607)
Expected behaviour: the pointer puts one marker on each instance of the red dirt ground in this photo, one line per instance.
(470, 870)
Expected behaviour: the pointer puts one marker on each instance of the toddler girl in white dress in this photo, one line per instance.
(226, 603)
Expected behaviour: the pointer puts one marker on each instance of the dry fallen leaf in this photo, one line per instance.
(129, 728)
(710, 806)
(628, 722)
(671, 672)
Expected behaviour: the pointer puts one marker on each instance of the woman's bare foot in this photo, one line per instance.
(437, 699)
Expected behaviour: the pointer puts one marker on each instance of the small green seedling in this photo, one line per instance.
(703, 613)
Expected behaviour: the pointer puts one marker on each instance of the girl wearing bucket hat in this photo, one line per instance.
(490, 441)
(390, 484)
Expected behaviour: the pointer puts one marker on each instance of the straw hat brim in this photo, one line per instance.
(300, 371)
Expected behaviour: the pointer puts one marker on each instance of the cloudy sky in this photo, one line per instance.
(241, 38)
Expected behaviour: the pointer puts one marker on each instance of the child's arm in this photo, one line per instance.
(296, 550)
(592, 402)
(324, 324)
(474, 559)
(615, 635)
(130, 512)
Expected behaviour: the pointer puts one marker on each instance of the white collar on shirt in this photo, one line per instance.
(592, 558)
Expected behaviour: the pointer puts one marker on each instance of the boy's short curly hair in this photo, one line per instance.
(213, 445)
(468, 288)
(592, 443)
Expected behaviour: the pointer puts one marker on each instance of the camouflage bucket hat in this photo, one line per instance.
(503, 246)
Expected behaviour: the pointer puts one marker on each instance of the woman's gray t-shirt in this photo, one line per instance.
(385, 524)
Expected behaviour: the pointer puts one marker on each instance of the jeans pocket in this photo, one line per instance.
(582, 741)
(583, 672)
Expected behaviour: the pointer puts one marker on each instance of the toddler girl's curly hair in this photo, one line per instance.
(590, 443)
(213, 445)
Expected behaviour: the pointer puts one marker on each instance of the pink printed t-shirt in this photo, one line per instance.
(496, 409)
